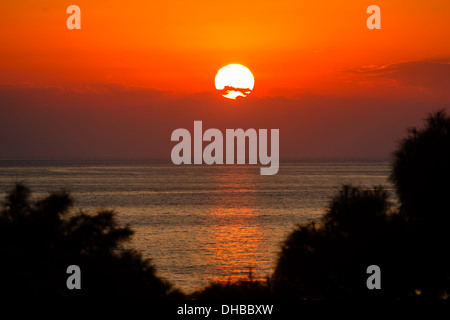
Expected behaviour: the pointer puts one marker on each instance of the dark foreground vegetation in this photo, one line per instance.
(326, 259)
(39, 240)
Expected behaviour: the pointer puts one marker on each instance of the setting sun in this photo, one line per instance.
(234, 80)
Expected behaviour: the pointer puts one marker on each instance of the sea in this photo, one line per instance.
(200, 224)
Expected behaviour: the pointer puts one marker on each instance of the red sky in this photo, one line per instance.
(137, 70)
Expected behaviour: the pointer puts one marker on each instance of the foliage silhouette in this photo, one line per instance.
(39, 240)
(328, 260)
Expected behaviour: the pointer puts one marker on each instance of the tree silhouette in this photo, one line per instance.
(40, 239)
(421, 171)
(328, 260)
(421, 175)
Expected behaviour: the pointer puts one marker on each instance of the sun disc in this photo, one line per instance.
(234, 80)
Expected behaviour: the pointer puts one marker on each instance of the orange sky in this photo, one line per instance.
(179, 45)
(297, 50)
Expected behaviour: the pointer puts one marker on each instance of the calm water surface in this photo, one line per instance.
(199, 223)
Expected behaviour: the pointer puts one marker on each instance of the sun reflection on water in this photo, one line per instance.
(236, 236)
(236, 243)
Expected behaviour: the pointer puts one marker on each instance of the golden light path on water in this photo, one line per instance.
(238, 238)
(226, 243)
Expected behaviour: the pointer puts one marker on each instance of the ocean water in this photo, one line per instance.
(199, 223)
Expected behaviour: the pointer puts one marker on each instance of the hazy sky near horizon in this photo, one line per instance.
(137, 70)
